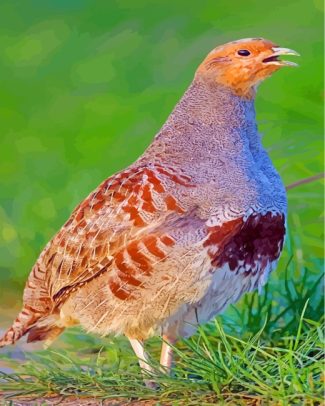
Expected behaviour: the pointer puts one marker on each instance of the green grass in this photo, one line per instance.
(213, 366)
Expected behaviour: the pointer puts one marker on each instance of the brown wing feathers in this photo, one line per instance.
(101, 232)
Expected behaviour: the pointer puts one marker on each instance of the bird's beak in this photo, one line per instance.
(277, 51)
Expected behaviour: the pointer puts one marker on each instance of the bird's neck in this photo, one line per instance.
(209, 121)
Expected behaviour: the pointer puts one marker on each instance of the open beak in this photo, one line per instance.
(273, 59)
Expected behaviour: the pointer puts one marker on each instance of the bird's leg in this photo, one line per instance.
(166, 357)
(138, 348)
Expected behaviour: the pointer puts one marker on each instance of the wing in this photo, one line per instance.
(127, 214)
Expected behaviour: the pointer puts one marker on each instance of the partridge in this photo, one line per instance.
(166, 244)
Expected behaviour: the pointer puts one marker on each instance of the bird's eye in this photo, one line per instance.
(243, 52)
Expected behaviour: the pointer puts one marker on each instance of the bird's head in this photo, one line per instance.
(242, 65)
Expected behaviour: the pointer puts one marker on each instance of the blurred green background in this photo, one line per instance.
(85, 85)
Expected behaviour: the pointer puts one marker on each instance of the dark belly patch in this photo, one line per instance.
(251, 244)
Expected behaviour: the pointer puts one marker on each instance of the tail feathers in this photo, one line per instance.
(38, 327)
(44, 333)
(22, 324)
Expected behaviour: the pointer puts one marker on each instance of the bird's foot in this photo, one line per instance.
(151, 384)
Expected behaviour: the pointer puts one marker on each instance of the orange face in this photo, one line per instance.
(242, 65)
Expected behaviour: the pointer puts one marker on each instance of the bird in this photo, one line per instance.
(166, 244)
